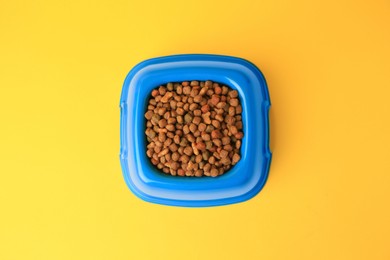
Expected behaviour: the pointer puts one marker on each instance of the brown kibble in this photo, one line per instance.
(214, 100)
(218, 90)
(208, 84)
(214, 172)
(212, 160)
(162, 123)
(155, 118)
(233, 102)
(216, 134)
(232, 111)
(180, 172)
(173, 147)
(193, 106)
(206, 167)
(197, 112)
(188, 150)
(233, 93)
(155, 93)
(201, 146)
(216, 123)
(184, 158)
(176, 139)
(196, 120)
(225, 161)
(194, 92)
(179, 119)
(205, 108)
(186, 90)
(148, 115)
(233, 129)
(198, 158)
(198, 98)
(163, 152)
(223, 153)
(162, 90)
(202, 127)
(238, 109)
(186, 129)
(203, 91)
(190, 138)
(236, 158)
(198, 173)
(197, 133)
(225, 90)
(170, 128)
(217, 142)
(175, 156)
(219, 118)
(166, 97)
(206, 118)
(193, 128)
(239, 135)
(188, 118)
(179, 90)
(209, 128)
(205, 136)
(221, 104)
(180, 111)
(171, 120)
(194, 83)
(225, 140)
(228, 147)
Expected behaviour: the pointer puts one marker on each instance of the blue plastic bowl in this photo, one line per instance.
(240, 183)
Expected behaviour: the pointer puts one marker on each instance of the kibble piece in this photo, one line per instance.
(225, 140)
(196, 120)
(180, 111)
(233, 102)
(218, 90)
(216, 134)
(238, 109)
(233, 93)
(236, 158)
(188, 150)
(194, 83)
(197, 112)
(216, 123)
(214, 172)
(180, 172)
(192, 127)
(205, 108)
(217, 142)
(198, 173)
(214, 100)
(188, 118)
(233, 129)
(148, 115)
(186, 90)
(239, 135)
(206, 137)
(202, 127)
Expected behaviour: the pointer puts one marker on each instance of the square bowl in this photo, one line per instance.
(241, 182)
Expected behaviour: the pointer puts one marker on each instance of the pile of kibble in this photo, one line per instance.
(194, 128)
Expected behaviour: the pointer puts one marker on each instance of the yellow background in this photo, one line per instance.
(62, 65)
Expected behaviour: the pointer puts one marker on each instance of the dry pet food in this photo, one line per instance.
(194, 128)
